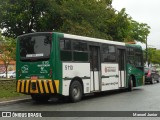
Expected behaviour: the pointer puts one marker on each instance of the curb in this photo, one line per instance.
(7, 79)
(14, 101)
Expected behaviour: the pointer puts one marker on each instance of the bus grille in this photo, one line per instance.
(38, 86)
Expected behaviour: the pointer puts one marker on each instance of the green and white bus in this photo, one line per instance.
(51, 63)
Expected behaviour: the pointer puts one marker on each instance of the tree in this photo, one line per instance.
(139, 31)
(84, 17)
(123, 28)
(7, 52)
(153, 56)
(119, 26)
(25, 16)
(93, 18)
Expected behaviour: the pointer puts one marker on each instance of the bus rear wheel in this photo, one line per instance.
(130, 84)
(75, 91)
(40, 98)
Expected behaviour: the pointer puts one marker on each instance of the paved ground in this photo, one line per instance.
(144, 98)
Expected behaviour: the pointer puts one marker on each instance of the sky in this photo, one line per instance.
(143, 11)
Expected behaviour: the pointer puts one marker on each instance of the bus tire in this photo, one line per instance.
(130, 84)
(152, 80)
(75, 91)
(40, 98)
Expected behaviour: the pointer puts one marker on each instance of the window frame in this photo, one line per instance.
(34, 59)
(131, 55)
(109, 53)
(73, 51)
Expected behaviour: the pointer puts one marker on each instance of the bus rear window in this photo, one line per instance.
(35, 47)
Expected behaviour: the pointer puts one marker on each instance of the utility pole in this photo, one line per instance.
(147, 53)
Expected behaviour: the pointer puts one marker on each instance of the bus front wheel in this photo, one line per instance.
(75, 91)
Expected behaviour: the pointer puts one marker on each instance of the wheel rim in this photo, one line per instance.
(76, 91)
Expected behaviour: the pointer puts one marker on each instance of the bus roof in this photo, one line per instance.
(34, 33)
(84, 38)
(134, 46)
(93, 39)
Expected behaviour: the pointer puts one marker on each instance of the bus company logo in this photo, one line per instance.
(21, 114)
(24, 69)
(110, 69)
(6, 114)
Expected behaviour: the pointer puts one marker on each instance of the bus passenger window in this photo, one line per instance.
(131, 56)
(80, 52)
(65, 44)
(66, 53)
(108, 53)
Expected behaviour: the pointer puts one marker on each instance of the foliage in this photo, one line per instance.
(84, 18)
(25, 16)
(94, 18)
(139, 31)
(153, 56)
(7, 51)
(156, 59)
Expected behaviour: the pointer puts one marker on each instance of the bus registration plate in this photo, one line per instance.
(34, 77)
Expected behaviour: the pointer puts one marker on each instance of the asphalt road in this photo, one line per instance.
(145, 98)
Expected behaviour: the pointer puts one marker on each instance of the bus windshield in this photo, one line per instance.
(35, 47)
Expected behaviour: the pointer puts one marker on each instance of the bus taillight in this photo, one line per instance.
(34, 77)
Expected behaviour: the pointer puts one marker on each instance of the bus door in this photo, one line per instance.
(122, 68)
(95, 67)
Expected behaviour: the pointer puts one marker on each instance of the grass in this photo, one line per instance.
(8, 89)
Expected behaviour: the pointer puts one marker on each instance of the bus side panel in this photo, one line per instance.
(135, 64)
(137, 73)
(110, 76)
(57, 70)
(72, 70)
